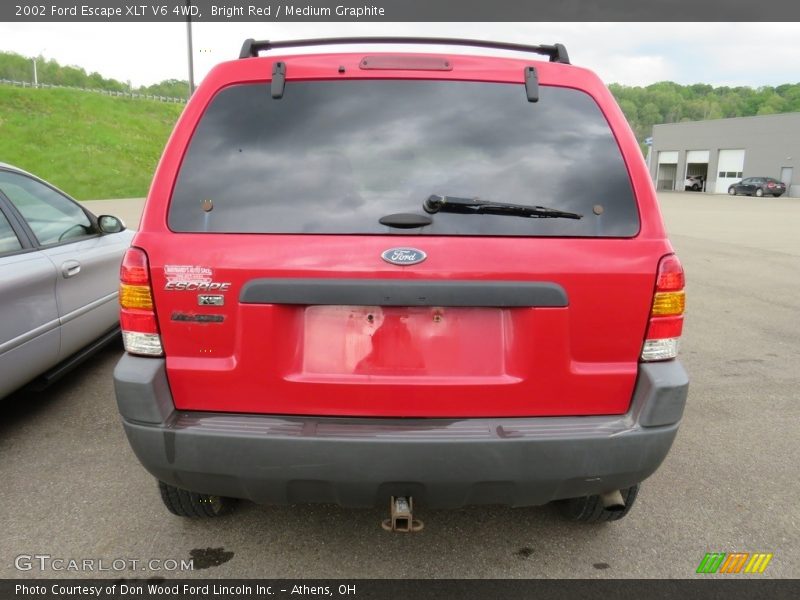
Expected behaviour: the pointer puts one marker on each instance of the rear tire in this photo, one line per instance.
(184, 503)
(695, 188)
(732, 191)
(759, 193)
(589, 509)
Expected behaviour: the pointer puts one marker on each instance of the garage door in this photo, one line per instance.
(697, 156)
(729, 169)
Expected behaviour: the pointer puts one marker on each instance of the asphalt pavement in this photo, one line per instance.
(72, 489)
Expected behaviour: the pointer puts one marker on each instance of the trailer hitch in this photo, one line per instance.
(401, 517)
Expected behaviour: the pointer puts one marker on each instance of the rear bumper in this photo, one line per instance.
(361, 462)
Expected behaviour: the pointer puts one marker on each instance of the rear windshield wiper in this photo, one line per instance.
(470, 206)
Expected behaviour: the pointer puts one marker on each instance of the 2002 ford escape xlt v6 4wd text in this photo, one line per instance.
(373, 278)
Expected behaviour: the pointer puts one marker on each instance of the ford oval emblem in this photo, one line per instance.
(403, 256)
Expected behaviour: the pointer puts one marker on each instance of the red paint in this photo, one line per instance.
(279, 359)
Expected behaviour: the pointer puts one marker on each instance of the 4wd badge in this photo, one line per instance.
(403, 256)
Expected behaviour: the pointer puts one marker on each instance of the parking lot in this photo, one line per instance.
(71, 488)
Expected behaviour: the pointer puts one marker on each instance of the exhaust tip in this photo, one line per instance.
(613, 501)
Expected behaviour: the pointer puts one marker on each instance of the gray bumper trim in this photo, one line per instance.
(660, 393)
(361, 462)
(142, 390)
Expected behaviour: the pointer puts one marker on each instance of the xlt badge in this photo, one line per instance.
(205, 300)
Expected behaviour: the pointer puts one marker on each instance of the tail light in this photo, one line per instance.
(666, 314)
(770, 185)
(137, 318)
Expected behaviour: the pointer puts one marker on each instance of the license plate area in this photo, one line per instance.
(363, 341)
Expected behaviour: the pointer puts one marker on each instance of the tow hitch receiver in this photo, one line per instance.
(401, 517)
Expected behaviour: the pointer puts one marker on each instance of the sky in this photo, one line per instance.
(627, 53)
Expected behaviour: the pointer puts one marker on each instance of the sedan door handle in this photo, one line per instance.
(70, 268)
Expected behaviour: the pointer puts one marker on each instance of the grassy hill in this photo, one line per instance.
(90, 145)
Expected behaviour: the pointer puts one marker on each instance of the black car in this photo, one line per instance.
(758, 186)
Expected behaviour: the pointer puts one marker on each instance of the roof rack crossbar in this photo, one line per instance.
(556, 52)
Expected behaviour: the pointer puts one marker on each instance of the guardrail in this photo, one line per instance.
(28, 84)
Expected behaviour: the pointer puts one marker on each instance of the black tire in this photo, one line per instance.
(759, 193)
(589, 509)
(695, 188)
(191, 504)
(732, 191)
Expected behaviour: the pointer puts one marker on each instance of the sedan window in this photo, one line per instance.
(53, 217)
(8, 239)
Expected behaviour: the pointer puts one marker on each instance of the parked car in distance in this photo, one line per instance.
(358, 280)
(693, 183)
(758, 186)
(59, 267)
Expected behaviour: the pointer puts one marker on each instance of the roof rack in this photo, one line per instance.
(556, 52)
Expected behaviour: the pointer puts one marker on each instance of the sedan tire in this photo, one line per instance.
(759, 193)
(732, 191)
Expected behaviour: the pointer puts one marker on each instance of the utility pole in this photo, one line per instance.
(35, 71)
(189, 46)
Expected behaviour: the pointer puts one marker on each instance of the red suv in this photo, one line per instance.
(376, 278)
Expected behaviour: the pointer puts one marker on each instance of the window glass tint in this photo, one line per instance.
(336, 156)
(52, 217)
(9, 242)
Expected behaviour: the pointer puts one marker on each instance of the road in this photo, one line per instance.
(71, 487)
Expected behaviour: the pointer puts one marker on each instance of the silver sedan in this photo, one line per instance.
(59, 276)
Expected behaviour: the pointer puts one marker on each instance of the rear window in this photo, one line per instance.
(333, 157)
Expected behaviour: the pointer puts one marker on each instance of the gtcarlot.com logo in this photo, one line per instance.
(46, 562)
(734, 562)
